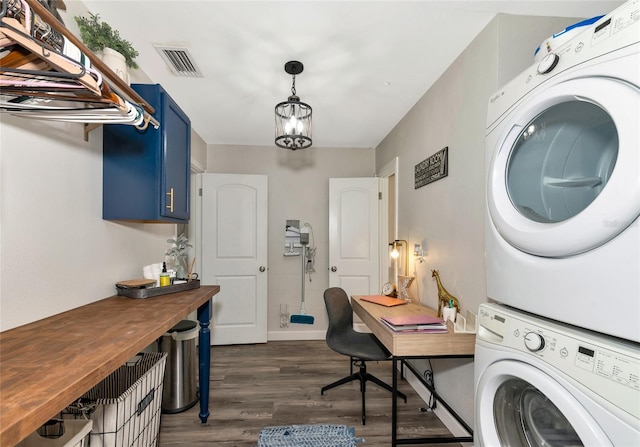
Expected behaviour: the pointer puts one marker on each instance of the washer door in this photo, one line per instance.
(565, 175)
(518, 405)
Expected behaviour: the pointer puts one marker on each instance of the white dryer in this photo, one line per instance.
(563, 182)
(543, 383)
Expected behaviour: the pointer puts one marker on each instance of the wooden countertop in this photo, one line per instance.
(47, 364)
(412, 343)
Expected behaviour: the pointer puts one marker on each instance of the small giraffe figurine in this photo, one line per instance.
(443, 295)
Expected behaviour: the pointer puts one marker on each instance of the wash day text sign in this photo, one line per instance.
(432, 169)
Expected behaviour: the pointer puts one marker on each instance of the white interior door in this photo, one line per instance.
(354, 235)
(233, 253)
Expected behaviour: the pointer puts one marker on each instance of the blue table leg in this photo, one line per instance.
(204, 354)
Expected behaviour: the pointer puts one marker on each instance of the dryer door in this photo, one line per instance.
(565, 175)
(519, 405)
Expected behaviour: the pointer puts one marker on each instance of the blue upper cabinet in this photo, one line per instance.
(146, 172)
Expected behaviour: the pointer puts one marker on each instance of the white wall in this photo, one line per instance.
(298, 189)
(56, 252)
(447, 216)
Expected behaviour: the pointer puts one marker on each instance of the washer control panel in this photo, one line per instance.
(534, 341)
(608, 366)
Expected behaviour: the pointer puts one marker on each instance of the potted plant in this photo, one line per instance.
(180, 253)
(98, 35)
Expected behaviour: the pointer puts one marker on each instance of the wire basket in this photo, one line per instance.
(125, 406)
(59, 433)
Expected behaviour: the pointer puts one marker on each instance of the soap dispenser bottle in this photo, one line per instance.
(165, 279)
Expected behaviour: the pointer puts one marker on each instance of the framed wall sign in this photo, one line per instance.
(432, 169)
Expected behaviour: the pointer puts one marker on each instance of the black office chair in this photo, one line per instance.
(360, 347)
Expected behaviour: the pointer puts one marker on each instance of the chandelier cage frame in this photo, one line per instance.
(293, 117)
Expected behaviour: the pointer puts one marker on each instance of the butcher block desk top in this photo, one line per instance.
(412, 344)
(47, 364)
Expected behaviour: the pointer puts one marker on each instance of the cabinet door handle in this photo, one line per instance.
(170, 206)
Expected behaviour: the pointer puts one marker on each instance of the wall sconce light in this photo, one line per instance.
(394, 251)
(417, 250)
(395, 254)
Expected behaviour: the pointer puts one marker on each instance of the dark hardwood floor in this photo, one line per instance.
(278, 383)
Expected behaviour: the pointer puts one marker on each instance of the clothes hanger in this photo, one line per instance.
(104, 113)
(107, 98)
(65, 67)
(133, 114)
(36, 26)
(41, 76)
(17, 57)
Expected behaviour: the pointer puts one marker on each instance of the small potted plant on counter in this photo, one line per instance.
(180, 254)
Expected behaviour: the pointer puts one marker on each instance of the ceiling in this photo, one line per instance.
(366, 63)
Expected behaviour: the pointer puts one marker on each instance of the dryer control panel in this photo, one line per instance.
(614, 31)
(608, 366)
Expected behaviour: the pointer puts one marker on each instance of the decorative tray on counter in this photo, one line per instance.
(144, 292)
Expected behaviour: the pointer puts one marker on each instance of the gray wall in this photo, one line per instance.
(298, 189)
(447, 216)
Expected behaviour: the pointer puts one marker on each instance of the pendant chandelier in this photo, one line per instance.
(293, 117)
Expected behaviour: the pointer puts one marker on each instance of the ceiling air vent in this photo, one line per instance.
(180, 61)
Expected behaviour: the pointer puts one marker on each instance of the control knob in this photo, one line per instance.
(534, 342)
(548, 63)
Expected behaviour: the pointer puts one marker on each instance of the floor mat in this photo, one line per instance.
(316, 435)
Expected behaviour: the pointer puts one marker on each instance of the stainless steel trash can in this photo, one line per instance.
(180, 391)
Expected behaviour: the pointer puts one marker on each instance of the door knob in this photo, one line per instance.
(334, 268)
(262, 268)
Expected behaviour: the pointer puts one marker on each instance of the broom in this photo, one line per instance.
(302, 317)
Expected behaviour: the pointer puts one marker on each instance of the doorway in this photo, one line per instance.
(388, 175)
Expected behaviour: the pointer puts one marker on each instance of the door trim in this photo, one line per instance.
(385, 173)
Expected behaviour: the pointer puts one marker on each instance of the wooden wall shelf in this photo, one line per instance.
(117, 84)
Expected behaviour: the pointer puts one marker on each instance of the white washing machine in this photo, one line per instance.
(563, 182)
(543, 383)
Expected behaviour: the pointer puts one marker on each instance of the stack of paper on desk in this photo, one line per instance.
(415, 323)
(383, 300)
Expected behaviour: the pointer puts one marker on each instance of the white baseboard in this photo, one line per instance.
(292, 335)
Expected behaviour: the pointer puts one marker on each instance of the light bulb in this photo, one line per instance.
(291, 125)
(395, 253)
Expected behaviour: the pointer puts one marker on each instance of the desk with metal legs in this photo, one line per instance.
(405, 346)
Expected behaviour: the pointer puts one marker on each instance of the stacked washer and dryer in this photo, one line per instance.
(558, 350)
